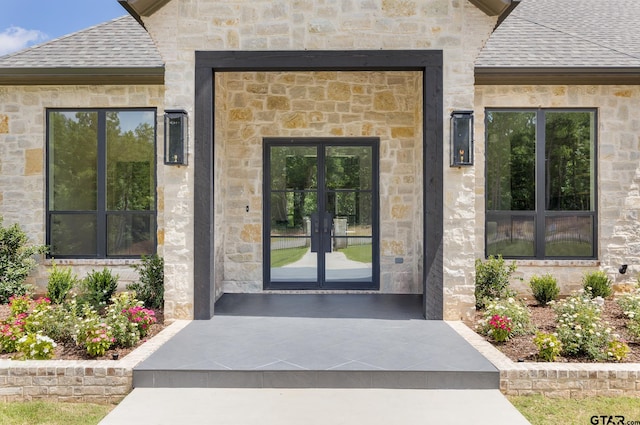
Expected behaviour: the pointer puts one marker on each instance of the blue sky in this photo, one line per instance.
(24, 23)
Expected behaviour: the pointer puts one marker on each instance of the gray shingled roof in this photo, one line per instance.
(566, 34)
(118, 47)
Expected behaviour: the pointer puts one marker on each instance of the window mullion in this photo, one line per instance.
(102, 186)
(541, 165)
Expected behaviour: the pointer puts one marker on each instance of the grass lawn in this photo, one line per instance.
(49, 413)
(548, 411)
(361, 253)
(282, 257)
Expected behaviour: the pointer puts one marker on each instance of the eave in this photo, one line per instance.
(557, 76)
(493, 7)
(139, 8)
(81, 76)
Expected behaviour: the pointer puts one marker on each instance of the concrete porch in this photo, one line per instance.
(317, 341)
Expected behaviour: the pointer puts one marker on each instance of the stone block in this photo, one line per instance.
(4, 124)
(281, 103)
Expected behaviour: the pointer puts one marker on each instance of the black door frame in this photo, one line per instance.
(208, 63)
(374, 143)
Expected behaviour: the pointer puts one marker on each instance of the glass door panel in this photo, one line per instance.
(348, 171)
(320, 214)
(293, 200)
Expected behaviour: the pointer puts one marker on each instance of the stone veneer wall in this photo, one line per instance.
(321, 104)
(456, 27)
(618, 176)
(22, 169)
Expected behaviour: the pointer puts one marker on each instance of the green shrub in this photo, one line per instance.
(544, 288)
(150, 287)
(617, 350)
(517, 313)
(125, 332)
(57, 321)
(92, 333)
(16, 261)
(35, 346)
(492, 280)
(11, 330)
(98, 287)
(61, 281)
(597, 284)
(549, 347)
(630, 305)
(20, 304)
(580, 327)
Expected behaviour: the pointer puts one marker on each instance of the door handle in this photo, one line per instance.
(316, 225)
(325, 227)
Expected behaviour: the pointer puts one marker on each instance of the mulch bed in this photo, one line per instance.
(70, 351)
(522, 348)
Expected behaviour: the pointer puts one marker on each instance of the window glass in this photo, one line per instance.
(294, 167)
(101, 183)
(511, 161)
(73, 234)
(73, 154)
(511, 236)
(130, 234)
(568, 154)
(540, 170)
(130, 158)
(568, 236)
(348, 167)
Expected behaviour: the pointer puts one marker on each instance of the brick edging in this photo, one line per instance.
(95, 381)
(563, 380)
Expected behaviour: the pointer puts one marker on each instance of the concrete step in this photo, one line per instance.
(285, 352)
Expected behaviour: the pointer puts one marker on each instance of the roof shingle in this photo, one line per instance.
(119, 43)
(566, 34)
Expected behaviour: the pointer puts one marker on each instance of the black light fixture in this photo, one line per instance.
(461, 138)
(176, 146)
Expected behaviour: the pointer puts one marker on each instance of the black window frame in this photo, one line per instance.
(540, 213)
(101, 211)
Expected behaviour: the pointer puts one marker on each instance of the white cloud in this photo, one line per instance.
(16, 38)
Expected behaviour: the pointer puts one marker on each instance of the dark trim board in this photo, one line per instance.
(208, 63)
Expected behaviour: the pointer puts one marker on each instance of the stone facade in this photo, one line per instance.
(618, 176)
(320, 104)
(181, 27)
(22, 169)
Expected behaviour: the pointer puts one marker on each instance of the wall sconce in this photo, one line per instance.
(461, 138)
(176, 146)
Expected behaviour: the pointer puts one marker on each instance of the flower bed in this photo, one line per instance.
(520, 348)
(69, 349)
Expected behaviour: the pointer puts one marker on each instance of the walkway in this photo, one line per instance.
(206, 406)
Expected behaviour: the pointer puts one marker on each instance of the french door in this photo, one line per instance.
(321, 213)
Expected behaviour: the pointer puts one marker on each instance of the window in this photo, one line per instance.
(540, 174)
(101, 190)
